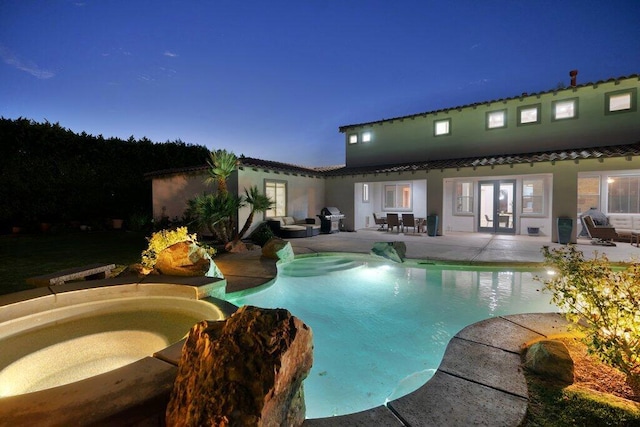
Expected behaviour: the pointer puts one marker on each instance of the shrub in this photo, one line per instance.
(262, 234)
(165, 238)
(604, 302)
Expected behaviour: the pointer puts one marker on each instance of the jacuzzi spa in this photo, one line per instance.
(103, 354)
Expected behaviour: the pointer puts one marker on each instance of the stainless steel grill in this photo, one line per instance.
(330, 218)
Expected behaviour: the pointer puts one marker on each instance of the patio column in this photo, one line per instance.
(435, 194)
(565, 197)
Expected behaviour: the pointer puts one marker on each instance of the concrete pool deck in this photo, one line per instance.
(480, 379)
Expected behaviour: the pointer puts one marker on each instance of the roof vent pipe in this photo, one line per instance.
(573, 74)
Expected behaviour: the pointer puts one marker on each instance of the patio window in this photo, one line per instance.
(533, 196)
(397, 197)
(277, 192)
(623, 194)
(588, 193)
(464, 198)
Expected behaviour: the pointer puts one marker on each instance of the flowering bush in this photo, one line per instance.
(165, 238)
(604, 302)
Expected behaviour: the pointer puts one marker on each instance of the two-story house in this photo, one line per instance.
(499, 166)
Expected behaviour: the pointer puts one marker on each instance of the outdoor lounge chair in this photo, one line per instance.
(408, 220)
(599, 234)
(393, 221)
(379, 221)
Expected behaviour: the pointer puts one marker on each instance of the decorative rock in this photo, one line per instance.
(186, 259)
(550, 359)
(245, 371)
(277, 248)
(236, 246)
(394, 251)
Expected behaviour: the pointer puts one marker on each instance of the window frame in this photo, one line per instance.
(537, 107)
(488, 121)
(582, 194)
(351, 137)
(366, 136)
(470, 197)
(435, 127)
(276, 209)
(630, 196)
(633, 92)
(541, 212)
(555, 118)
(397, 207)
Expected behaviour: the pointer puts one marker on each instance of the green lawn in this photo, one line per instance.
(23, 256)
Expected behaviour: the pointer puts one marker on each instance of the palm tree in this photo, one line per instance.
(216, 213)
(258, 202)
(221, 163)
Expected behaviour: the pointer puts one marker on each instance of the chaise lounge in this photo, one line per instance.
(600, 234)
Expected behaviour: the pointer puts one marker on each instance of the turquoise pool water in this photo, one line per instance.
(380, 329)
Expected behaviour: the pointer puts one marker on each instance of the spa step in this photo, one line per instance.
(305, 267)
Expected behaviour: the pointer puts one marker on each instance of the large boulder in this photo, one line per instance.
(394, 251)
(550, 359)
(186, 259)
(279, 249)
(245, 371)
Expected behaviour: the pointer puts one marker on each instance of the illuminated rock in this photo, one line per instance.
(394, 251)
(277, 248)
(550, 359)
(186, 259)
(245, 371)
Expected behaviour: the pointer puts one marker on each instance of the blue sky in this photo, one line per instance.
(276, 79)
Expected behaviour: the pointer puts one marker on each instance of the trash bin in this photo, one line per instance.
(565, 228)
(432, 225)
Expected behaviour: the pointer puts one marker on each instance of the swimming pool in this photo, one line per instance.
(380, 329)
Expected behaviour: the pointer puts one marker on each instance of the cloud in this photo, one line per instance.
(28, 67)
(170, 54)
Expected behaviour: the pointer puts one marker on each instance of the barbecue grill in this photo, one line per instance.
(330, 218)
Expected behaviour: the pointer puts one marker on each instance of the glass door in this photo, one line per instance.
(497, 206)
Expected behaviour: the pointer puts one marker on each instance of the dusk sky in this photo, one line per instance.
(275, 79)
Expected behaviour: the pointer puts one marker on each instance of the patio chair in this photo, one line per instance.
(393, 221)
(599, 234)
(379, 221)
(408, 221)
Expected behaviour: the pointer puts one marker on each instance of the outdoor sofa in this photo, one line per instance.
(288, 227)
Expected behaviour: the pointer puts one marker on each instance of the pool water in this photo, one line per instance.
(380, 330)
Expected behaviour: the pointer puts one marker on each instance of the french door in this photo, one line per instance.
(497, 206)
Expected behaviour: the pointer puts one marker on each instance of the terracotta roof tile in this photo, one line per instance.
(250, 162)
(585, 153)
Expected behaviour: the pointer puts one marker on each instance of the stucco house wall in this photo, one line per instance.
(171, 193)
(305, 190)
(411, 138)
(561, 179)
(305, 193)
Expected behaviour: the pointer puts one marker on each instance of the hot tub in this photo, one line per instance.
(75, 355)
